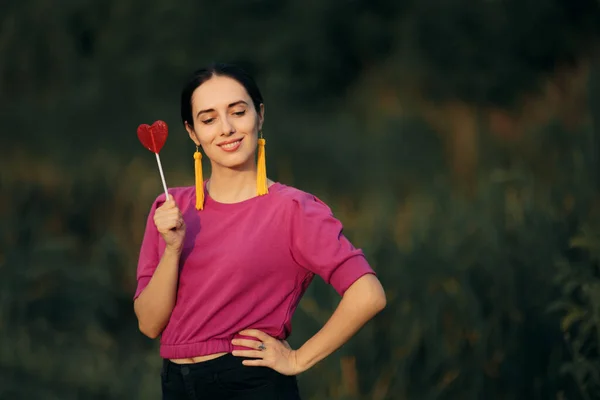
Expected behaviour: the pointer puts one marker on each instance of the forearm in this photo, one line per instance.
(361, 302)
(154, 305)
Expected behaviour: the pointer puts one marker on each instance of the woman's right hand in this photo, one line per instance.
(170, 224)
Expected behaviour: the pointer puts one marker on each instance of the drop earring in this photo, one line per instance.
(199, 179)
(262, 187)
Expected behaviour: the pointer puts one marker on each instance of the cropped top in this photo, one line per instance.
(246, 266)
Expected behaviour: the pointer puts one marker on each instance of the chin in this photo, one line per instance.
(235, 161)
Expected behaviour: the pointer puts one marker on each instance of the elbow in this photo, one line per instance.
(370, 293)
(379, 301)
(373, 303)
(146, 325)
(148, 329)
(150, 332)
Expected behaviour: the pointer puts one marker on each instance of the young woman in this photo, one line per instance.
(223, 264)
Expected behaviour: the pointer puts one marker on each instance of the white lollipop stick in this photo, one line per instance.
(162, 176)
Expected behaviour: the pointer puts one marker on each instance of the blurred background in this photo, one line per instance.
(457, 140)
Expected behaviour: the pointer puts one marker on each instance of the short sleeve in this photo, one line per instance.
(149, 252)
(319, 245)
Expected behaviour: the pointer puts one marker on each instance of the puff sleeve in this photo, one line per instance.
(319, 245)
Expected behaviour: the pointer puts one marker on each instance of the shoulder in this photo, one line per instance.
(299, 200)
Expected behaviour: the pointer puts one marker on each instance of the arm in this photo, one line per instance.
(157, 280)
(154, 305)
(361, 302)
(318, 245)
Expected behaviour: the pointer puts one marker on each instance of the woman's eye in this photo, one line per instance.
(240, 113)
(208, 121)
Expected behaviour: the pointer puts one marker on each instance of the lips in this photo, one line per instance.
(231, 145)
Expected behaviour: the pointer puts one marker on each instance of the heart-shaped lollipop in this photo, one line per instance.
(153, 137)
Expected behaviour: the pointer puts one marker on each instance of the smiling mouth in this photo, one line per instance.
(231, 145)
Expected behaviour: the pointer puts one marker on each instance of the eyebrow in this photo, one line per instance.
(229, 106)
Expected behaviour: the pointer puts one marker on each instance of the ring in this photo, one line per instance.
(262, 347)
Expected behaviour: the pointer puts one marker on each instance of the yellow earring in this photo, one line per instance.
(199, 180)
(262, 187)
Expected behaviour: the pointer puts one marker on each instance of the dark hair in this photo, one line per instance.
(217, 69)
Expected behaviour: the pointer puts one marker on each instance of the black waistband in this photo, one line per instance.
(224, 362)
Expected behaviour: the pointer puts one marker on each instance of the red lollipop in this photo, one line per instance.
(153, 137)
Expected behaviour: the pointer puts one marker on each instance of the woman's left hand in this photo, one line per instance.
(267, 352)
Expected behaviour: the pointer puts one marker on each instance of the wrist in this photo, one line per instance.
(173, 250)
(302, 364)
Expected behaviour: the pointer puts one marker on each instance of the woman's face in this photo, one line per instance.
(226, 124)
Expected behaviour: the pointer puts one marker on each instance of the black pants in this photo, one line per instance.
(225, 378)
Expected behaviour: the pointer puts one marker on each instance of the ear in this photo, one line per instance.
(192, 134)
(261, 116)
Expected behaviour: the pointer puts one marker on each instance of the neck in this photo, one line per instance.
(227, 185)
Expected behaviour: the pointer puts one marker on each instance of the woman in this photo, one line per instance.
(224, 264)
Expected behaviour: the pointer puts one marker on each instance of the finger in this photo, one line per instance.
(252, 344)
(248, 353)
(263, 337)
(167, 225)
(179, 223)
(168, 204)
(166, 220)
(173, 212)
(161, 215)
(254, 363)
(168, 216)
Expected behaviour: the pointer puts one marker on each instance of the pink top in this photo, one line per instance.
(246, 266)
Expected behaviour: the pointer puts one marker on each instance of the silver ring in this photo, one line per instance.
(262, 347)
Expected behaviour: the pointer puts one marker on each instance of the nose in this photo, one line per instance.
(227, 127)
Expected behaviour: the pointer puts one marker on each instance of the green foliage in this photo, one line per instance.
(469, 281)
(492, 295)
(495, 50)
(579, 306)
